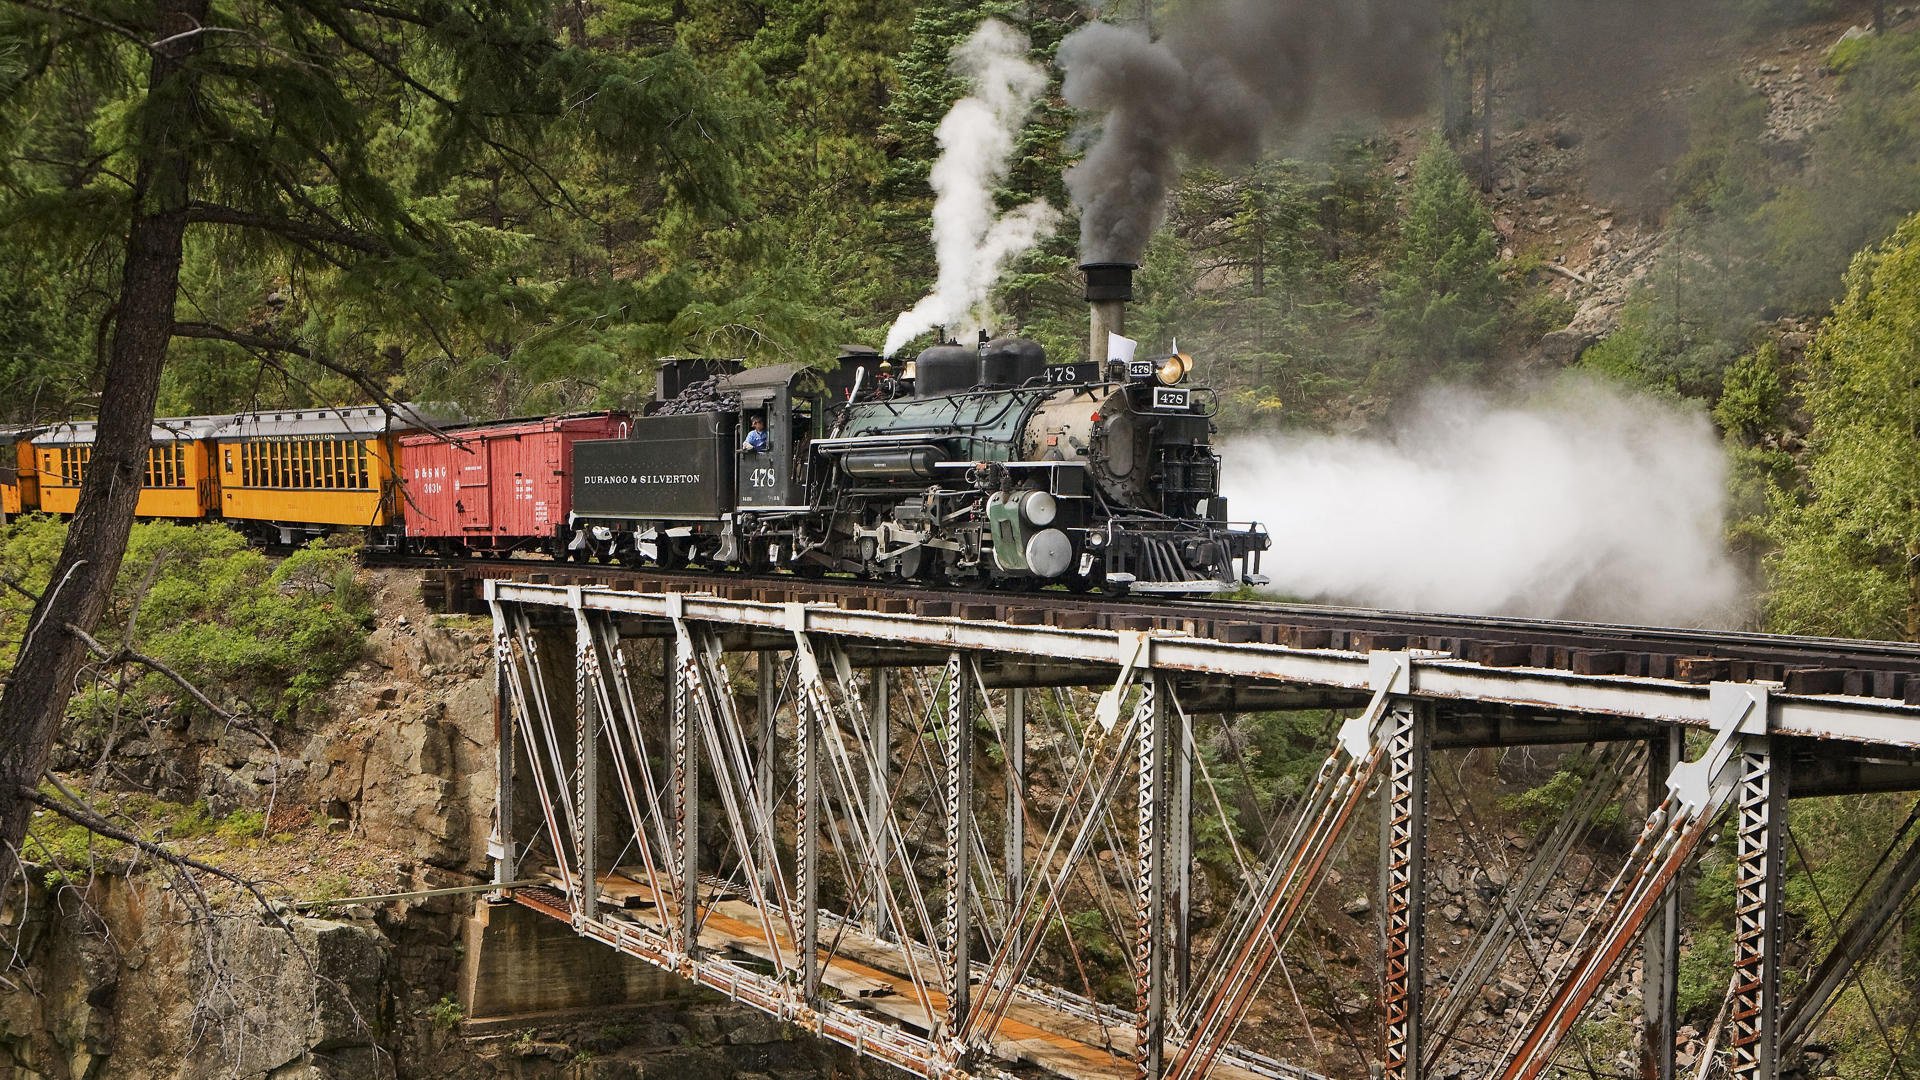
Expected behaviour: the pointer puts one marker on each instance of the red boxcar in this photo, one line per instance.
(497, 487)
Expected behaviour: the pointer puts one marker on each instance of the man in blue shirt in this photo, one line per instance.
(756, 440)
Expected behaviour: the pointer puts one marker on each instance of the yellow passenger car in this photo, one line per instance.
(19, 484)
(293, 474)
(179, 481)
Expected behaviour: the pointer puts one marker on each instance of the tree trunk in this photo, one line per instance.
(1486, 121)
(1879, 16)
(35, 700)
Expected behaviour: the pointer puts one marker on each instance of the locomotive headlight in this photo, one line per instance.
(1174, 369)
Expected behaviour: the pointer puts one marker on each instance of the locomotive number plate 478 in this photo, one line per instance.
(1171, 397)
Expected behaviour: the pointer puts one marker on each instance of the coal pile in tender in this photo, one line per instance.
(704, 396)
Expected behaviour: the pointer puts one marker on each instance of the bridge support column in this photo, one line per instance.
(1150, 910)
(764, 786)
(808, 729)
(1760, 802)
(960, 678)
(1182, 857)
(1403, 840)
(879, 797)
(1660, 951)
(685, 785)
(1016, 854)
(500, 845)
(586, 704)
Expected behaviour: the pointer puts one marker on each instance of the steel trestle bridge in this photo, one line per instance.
(899, 831)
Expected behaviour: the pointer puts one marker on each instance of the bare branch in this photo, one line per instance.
(74, 809)
(127, 654)
(184, 34)
(266, 348)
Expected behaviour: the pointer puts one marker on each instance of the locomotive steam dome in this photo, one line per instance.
(945, 369)
(1011, 361)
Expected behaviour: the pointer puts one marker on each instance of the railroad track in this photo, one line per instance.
(1806, 665)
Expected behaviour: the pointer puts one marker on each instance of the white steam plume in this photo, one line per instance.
(971, 243)
(1585, 503)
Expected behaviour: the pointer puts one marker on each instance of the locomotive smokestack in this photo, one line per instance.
(1109, 287)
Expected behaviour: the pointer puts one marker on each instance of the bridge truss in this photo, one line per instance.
(897, 830)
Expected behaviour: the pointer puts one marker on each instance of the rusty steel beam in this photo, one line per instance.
(684, 786)
(1759, 875)
(768, 714)
(586, 749)
(957, 742)
(1150, 884)
(879, 797)
(502, 851)
(1403, 842)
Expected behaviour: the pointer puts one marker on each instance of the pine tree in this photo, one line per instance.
(1849, 556)
(1443, 294)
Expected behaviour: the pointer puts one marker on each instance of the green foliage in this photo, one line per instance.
(1265, 275)
(1443, 294)
(1759, 237)
(1847, 52)
(440, 197)
(241, 826)
(1258, 763)
(1847, 553)
(1104, 959)
(1708, 960)
(447, 1015)
(1862, 177)
(1539, 807)
(1724, 167)
(1657, 347)
(1752, 412)
(267, 635)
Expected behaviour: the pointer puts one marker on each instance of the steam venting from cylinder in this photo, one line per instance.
(977, 139)
(1227, 78)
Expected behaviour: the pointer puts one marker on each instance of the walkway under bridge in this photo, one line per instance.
(945, 841)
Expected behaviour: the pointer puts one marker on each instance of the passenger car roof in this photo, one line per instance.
(351, 420)
(166, 430)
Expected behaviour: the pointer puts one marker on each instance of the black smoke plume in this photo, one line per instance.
(1226, 78)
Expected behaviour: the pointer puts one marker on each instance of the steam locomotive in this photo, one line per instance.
(987, 466)
(982, 465)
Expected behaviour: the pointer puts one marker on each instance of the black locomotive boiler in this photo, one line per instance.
(982, 465)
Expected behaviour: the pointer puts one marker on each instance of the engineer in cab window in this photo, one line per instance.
(756, 440)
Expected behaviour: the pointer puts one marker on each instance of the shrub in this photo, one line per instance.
(236, 624)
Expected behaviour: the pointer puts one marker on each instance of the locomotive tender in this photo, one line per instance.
(987, 466)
